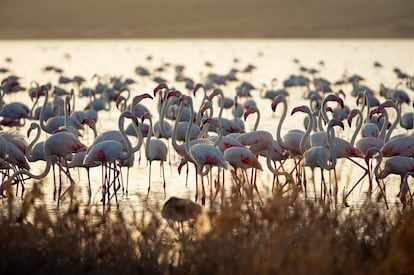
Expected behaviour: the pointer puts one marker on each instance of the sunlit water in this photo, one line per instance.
(272, 59)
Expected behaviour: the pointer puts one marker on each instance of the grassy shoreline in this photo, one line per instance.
(284, 235)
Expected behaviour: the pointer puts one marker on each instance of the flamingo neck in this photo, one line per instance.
(331, 137)
(358, 128)
(176, 146)
(29, 154)
(394, 124)
(149, 136)
(305, 137)
(166, 103)
(42, 114)
(187, 133)
(126, 155)
(281, 121)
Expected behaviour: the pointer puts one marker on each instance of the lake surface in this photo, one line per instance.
(271, 58)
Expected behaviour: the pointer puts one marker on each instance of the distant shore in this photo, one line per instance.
(49, 19)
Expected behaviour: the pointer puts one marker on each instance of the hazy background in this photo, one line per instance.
(206, 19)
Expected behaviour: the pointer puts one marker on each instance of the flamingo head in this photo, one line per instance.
(335, 122)
(181, 164)
(175, 93)
(276, 101)
(138, 98)
(32, 126)
(215, 92)
(377, 110)
(303, 108)
(207, 105)
(341, 92)
(370, 153)
(250, 110)
(145, 116)
(130, 115)
(160, 86)
(89, 122)
(212, 121)
(336, 98)
(120, 99)
(187, 100)
(351, 116)
(386, 104)
(197, 87)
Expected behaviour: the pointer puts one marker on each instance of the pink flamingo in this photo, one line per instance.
(368, 128)
(155, 149)
(60, 145)
(15, 111)
(319, 156)
(228, 126)
(108, 152)
(53, 123)
(241, 158)
(365, 143)
(202, 154)
(291, 141)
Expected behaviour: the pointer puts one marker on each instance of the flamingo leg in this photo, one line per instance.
(163, 177)
(149, 178)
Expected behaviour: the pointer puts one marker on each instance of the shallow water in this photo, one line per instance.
(272, 59)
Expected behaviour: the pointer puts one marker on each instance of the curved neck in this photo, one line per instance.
(33, 107)
(164, 107)
(26, 172)
(29, 155)
(178, 148)
(281, 121)
(394, 124)
(187, 133)
(256, 123)
(307, 133)
(322, 114)
(220, 93)
(384, 125)
(126, 155)
(139, 136)
(149, 136)
(358, 128)
(42, 114)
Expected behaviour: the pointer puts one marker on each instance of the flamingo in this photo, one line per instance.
(241, 158)
(319, 156)
(108, 151)
(155, 149)
(369, 128)
(78, 157)
(367, 142)
(291, 141)
(180, 210)
(273, 92)
(15, 111)
(53, 123)
(227, 125)
(202, 154)
(405, 190)
(60, 145)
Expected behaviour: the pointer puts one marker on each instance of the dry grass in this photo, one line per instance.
(280, 236)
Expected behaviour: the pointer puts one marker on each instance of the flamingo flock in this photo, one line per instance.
(208, 132)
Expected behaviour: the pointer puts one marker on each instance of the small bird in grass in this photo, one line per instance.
(180, 210)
